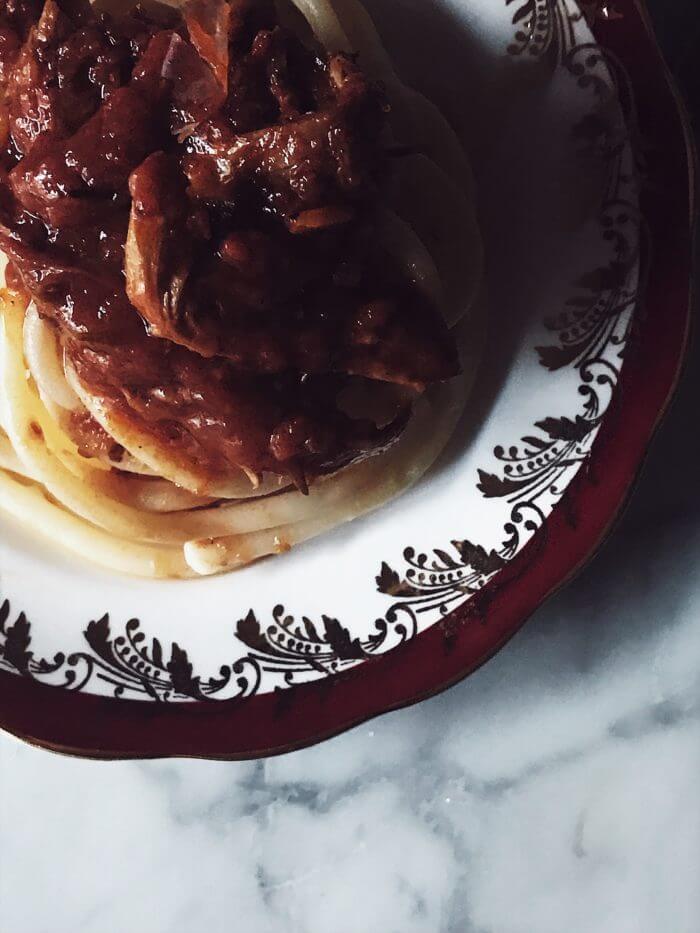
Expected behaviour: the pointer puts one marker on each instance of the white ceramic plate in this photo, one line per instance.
(545, 121)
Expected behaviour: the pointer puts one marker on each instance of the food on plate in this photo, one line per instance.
(239, 254)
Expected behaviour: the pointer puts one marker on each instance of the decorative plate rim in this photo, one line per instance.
(100, 727)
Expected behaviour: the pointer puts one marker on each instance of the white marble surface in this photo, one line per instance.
(556, 790)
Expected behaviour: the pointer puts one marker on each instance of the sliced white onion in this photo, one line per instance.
(403, 243)
(43, 359)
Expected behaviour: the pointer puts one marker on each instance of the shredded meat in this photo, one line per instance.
(323, 158)
(189, 198)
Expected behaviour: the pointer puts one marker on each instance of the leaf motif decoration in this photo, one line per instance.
(99, 638)
(344, 646)
(181, 673)
(556, 356)
(566, 429)
(475, 556)
(16, 647)
(4, 615)
(389, 582)
(492, 486)
(250, 633)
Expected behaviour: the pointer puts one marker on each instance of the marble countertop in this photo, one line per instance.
(556, 789)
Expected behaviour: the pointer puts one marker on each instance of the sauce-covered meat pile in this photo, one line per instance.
(189, 198)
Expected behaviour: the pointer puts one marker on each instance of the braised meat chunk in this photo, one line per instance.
(190, 198)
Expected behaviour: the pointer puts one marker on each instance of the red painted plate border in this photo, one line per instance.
(101, 727)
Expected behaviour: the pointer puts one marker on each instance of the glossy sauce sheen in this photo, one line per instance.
(189, 198)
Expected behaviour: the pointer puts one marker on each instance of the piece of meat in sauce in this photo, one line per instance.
(189, 198)
(316, 162)
(261, 302)
(67, 66)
